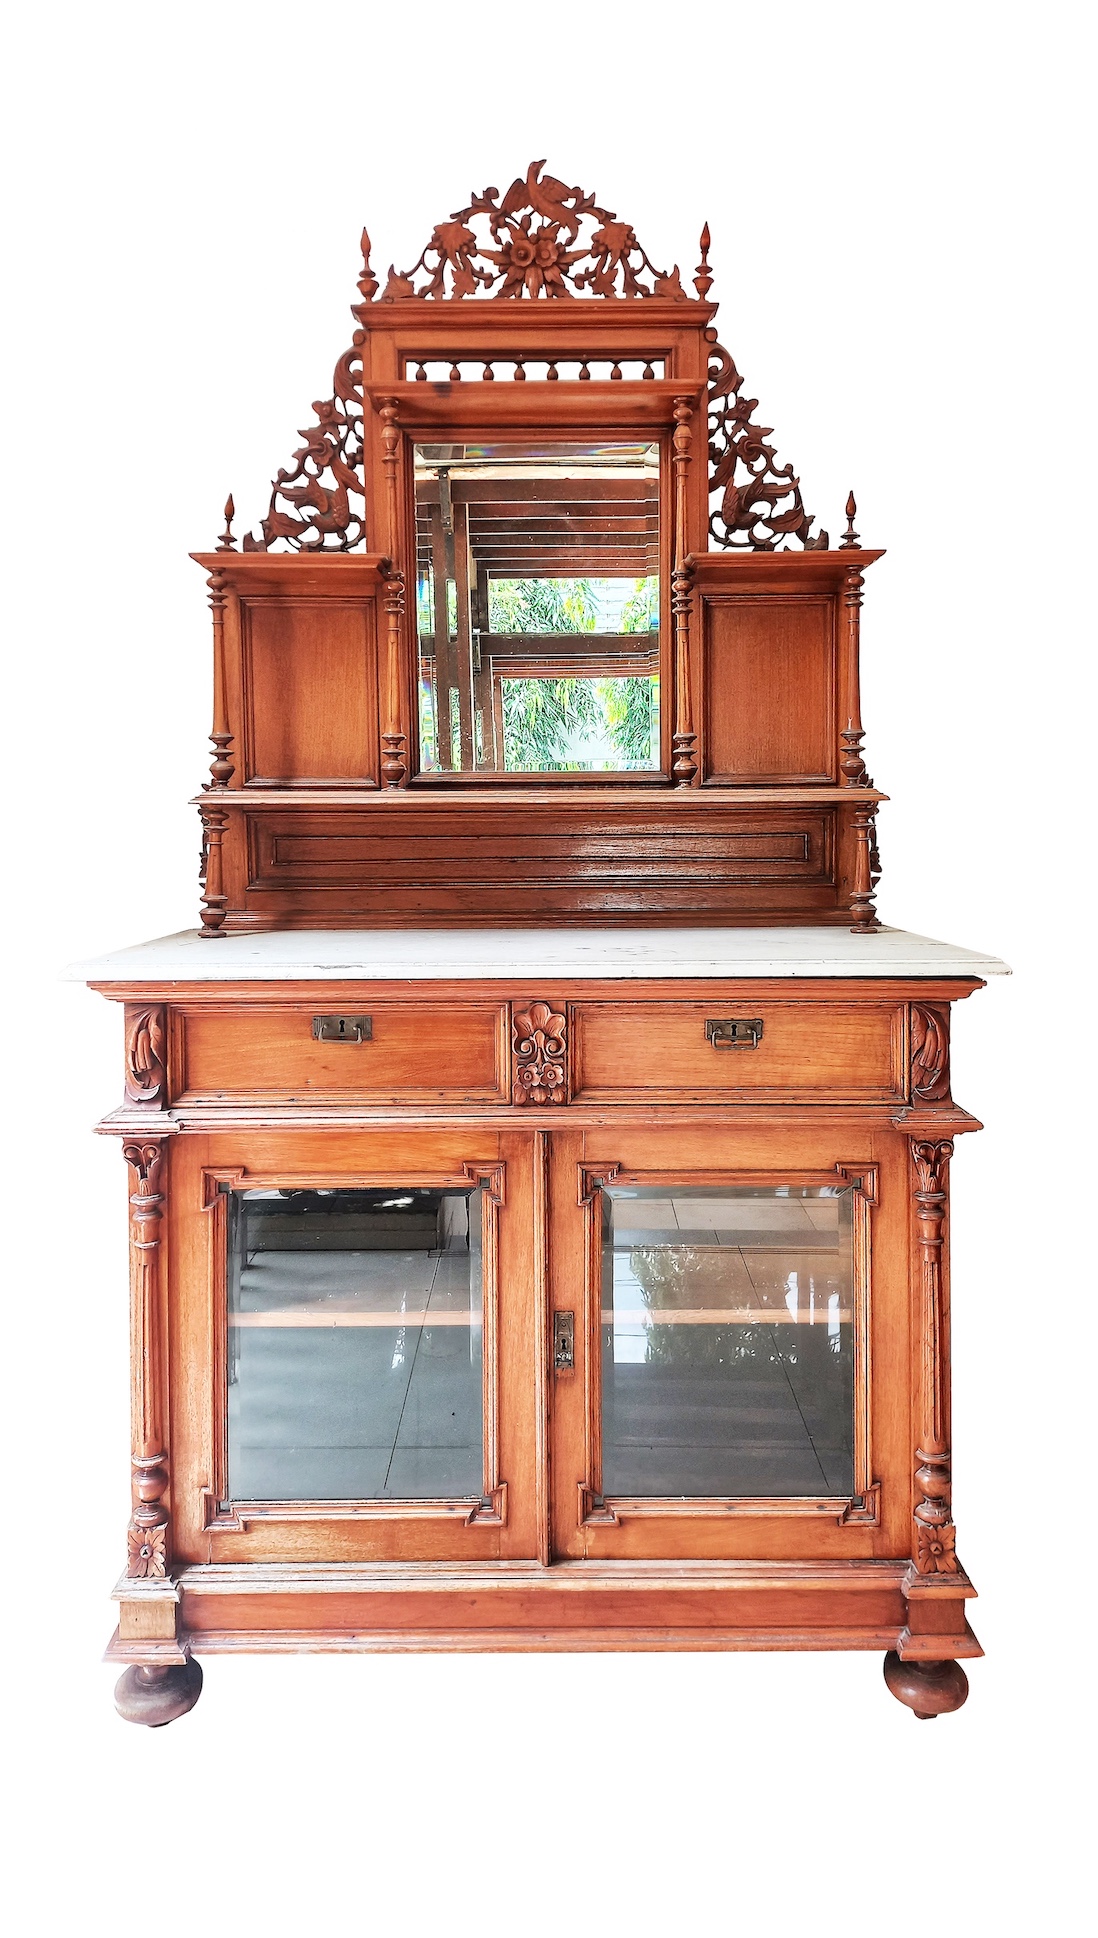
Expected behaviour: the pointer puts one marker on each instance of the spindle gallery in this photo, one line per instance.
(538, 1153)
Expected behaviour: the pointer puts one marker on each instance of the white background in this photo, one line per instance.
(893, 192)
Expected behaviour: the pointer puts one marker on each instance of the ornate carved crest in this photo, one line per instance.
(540, 239)
(761, 500)
(541, 1049)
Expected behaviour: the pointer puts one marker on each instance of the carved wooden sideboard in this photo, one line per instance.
(538, 1161)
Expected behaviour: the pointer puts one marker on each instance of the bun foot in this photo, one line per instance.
(158, 1696)
(929, 1688)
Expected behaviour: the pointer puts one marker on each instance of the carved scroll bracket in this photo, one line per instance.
(539, 1036)
(929, 1036)
(146, 1055)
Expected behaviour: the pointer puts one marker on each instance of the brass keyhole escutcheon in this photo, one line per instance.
(564, 1342)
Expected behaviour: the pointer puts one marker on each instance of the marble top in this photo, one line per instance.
(377, 955)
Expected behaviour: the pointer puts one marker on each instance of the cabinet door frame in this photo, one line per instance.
(859, 1508)
(204, 1333)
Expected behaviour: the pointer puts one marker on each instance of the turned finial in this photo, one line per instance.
(850, 536)
(703, 281)
(227, 543)
(367, 282)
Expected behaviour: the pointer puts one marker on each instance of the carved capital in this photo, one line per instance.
(146, 1055)
(540, 1043)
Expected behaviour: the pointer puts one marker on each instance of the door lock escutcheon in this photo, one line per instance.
(564, 1342)
(343, 1029)
(734, 1032)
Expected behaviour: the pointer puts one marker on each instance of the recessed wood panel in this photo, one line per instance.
(769, 689)
(311, 690)
(418, 1051)
(623, 1053)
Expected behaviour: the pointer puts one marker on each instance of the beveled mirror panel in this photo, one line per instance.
(538, 607)
(728, 1342)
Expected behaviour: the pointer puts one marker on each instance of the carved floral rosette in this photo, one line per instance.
(540, 1037)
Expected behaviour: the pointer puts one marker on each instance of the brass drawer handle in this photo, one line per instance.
(343, 1029)
(734, 1032)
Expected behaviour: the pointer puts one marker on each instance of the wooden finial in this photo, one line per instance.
(850, 536)
(703, 281)
(227, 543)
(367, 282)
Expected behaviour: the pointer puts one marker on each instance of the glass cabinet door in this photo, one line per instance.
(729, 1348)
(355, 1350)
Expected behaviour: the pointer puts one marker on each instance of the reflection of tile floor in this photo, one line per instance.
(728, 1350)
(355, 1376)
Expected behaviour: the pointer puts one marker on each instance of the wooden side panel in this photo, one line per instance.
(769, 689)
(849, 1052)
(311, 689)
(419, 1051)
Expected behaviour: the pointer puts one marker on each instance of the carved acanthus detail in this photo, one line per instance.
(761, 500)
(929, 1054)
(934, 1542)
(541, 1050)
(541, 238)
(146, 1056)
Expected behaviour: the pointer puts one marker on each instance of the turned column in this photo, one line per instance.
(394, 740)
(922, 1673)
(684, 761)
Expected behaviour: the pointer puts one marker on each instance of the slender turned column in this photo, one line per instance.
(933, 1545)
(394, 741)
(147, 1535)
(922, 1671)
(863, 910)
(851, 763)
(684, 765)
(214, 821)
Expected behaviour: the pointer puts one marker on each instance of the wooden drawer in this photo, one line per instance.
(418, 1052)
(838, 1052)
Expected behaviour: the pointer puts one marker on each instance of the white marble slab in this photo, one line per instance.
(416, 955)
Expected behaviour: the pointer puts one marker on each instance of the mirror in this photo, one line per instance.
(538, 607)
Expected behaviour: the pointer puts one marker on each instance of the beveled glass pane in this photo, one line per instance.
(728, 1342)
(538, 607)
(355, 1345)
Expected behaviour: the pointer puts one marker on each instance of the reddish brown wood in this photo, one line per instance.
(147, 1535)
(929, 1688)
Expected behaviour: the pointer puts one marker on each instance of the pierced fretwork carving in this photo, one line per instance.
(146, 1056)
(311, 508)
(934, 1537)
(541, 238)
(540, 1075)
(761, 503)
(929, 1053)
(147, 1534)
